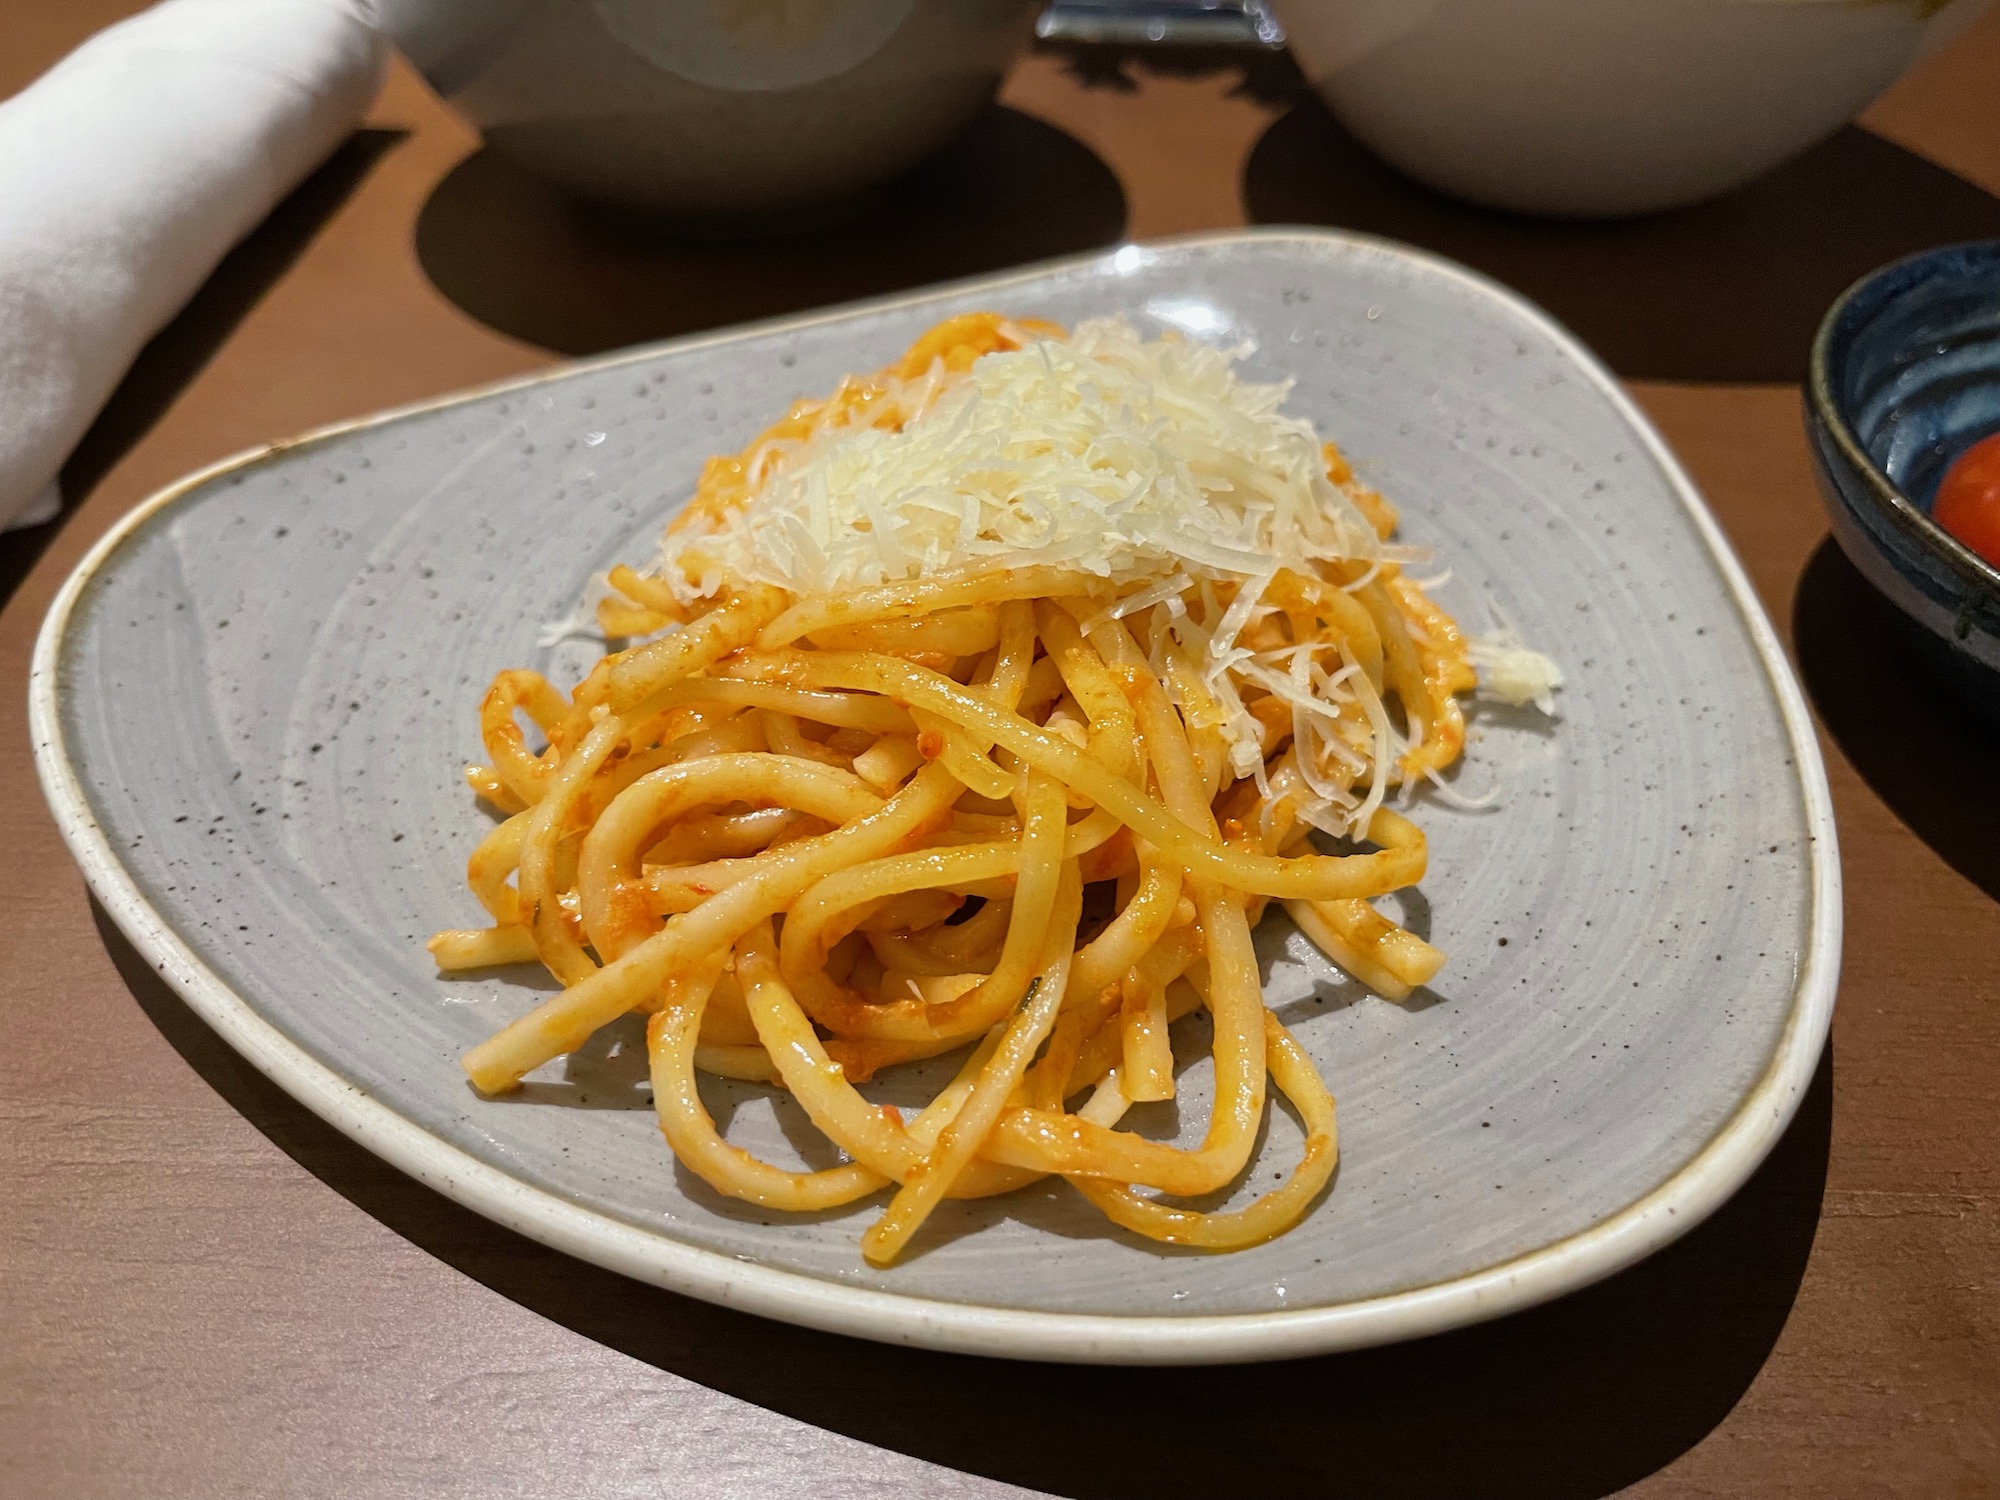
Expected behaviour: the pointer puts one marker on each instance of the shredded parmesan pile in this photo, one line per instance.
(1119, 457)
(1149, 464)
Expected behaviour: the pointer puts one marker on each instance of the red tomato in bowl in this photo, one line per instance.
(1968, 501)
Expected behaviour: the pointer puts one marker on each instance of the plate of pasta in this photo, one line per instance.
(1224, 800)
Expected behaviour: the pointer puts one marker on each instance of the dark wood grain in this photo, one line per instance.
(208, 1293)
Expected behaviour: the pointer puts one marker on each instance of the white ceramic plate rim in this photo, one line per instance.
(1682, 1200)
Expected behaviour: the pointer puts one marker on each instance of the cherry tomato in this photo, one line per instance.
(1968, 501)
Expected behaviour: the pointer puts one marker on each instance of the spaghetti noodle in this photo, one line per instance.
(981, 707)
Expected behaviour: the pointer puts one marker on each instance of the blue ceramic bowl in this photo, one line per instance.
(1905, 377)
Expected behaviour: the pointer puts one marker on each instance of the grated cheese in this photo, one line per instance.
(1127, 459)
(1513, 673)
(1149, 464)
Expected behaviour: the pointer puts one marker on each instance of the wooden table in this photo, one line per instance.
(206, 1292)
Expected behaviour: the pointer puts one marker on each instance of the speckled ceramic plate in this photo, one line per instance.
(251, 703)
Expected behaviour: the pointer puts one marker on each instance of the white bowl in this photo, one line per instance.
(705, 110)
(1599, 108)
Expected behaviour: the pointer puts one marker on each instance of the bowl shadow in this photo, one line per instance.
(524, 258)
(1884, 703)
(1727, 290)
(1569, 1401)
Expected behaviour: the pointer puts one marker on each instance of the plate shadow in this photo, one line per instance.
(522, 257)
(1727, 290)
(1918, 748)
(1570, 1401)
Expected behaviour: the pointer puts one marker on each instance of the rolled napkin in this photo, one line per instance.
(127, 171)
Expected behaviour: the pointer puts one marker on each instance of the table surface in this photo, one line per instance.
(210, 1293)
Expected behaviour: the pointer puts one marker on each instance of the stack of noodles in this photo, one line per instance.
(983, 705)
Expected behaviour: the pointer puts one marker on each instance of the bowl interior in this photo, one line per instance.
(1914, 364)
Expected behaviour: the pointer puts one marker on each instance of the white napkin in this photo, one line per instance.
(127, 171)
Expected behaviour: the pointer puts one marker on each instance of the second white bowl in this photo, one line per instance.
(1598, 108)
